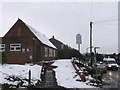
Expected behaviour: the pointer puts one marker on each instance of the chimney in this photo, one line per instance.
(53, 37)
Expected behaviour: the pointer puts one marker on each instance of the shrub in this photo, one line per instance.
(2, 57)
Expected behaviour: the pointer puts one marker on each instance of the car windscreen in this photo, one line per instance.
(105, 62)
(111, 62)
(101, 66)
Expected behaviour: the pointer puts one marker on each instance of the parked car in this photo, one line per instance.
(102, 67)
(111, 63)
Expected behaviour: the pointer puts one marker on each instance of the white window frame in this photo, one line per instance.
(54, 53)
(62, 46)
(46, 51)
(15, 46)
(50, 52)
(2, 47)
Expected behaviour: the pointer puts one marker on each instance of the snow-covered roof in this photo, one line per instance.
(41, 37)
(108, 59)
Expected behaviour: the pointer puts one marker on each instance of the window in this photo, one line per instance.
(15, 47)
(53, 53)
(19, 31)
(46, 52)
(62, 46)
(2, 47)
(50, 52)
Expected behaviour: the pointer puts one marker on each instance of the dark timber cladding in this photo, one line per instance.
(23, 44)
(58, 44)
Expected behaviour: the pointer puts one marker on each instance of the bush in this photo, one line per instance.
(2, 58)
(20, 82)
(97, 75)
(68, 53)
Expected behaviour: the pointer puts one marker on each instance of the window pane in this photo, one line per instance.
(2, 47)
(50, 52)
(46, 52)
(54, 53)
(15, 47)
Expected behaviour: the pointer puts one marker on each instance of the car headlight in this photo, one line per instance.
(116, 65)
(109, 65)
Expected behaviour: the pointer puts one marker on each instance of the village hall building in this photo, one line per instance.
(23, 44)
(58, 44)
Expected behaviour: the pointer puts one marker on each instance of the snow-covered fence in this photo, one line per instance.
(81, 75)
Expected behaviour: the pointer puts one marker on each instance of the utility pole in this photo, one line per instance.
(91, 61)
(91, 37)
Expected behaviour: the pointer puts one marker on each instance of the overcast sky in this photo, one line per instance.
(65, 19)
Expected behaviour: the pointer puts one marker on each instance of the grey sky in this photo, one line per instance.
(65, 19)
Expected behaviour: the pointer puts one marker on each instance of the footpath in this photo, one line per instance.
(48, 78)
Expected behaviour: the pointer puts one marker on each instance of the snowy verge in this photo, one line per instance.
(19, 71)
(66, 76)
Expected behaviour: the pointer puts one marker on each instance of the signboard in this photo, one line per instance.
(78, 39)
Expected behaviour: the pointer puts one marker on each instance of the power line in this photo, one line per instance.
(72, 11)
(104, 21)
(91, 9)
(97, 10)
(110, 24)
(81, 12)
(107, 19)
(91, 6)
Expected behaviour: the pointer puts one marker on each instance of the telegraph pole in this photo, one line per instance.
(91, 37)
(91, 61)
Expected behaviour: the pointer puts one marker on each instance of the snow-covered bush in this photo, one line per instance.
(16, 82)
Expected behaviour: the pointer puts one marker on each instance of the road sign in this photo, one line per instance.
(78, 39)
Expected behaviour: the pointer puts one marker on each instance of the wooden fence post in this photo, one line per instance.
(29, 81)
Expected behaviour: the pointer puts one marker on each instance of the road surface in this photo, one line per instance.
(112, 79)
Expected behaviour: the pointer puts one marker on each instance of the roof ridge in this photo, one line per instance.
(40, 36)
(57, 40)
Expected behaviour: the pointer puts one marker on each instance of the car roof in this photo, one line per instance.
(108, 59)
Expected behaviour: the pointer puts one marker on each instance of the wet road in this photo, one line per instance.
(112, 79)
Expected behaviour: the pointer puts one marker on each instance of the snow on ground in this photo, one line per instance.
(66, 76)
(20, 71)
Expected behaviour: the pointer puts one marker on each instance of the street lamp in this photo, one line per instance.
(91, 55)
(87, 49)
(91, 60)
(96, 48)
(95, 52)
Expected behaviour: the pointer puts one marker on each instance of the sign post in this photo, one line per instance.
(79, 41)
